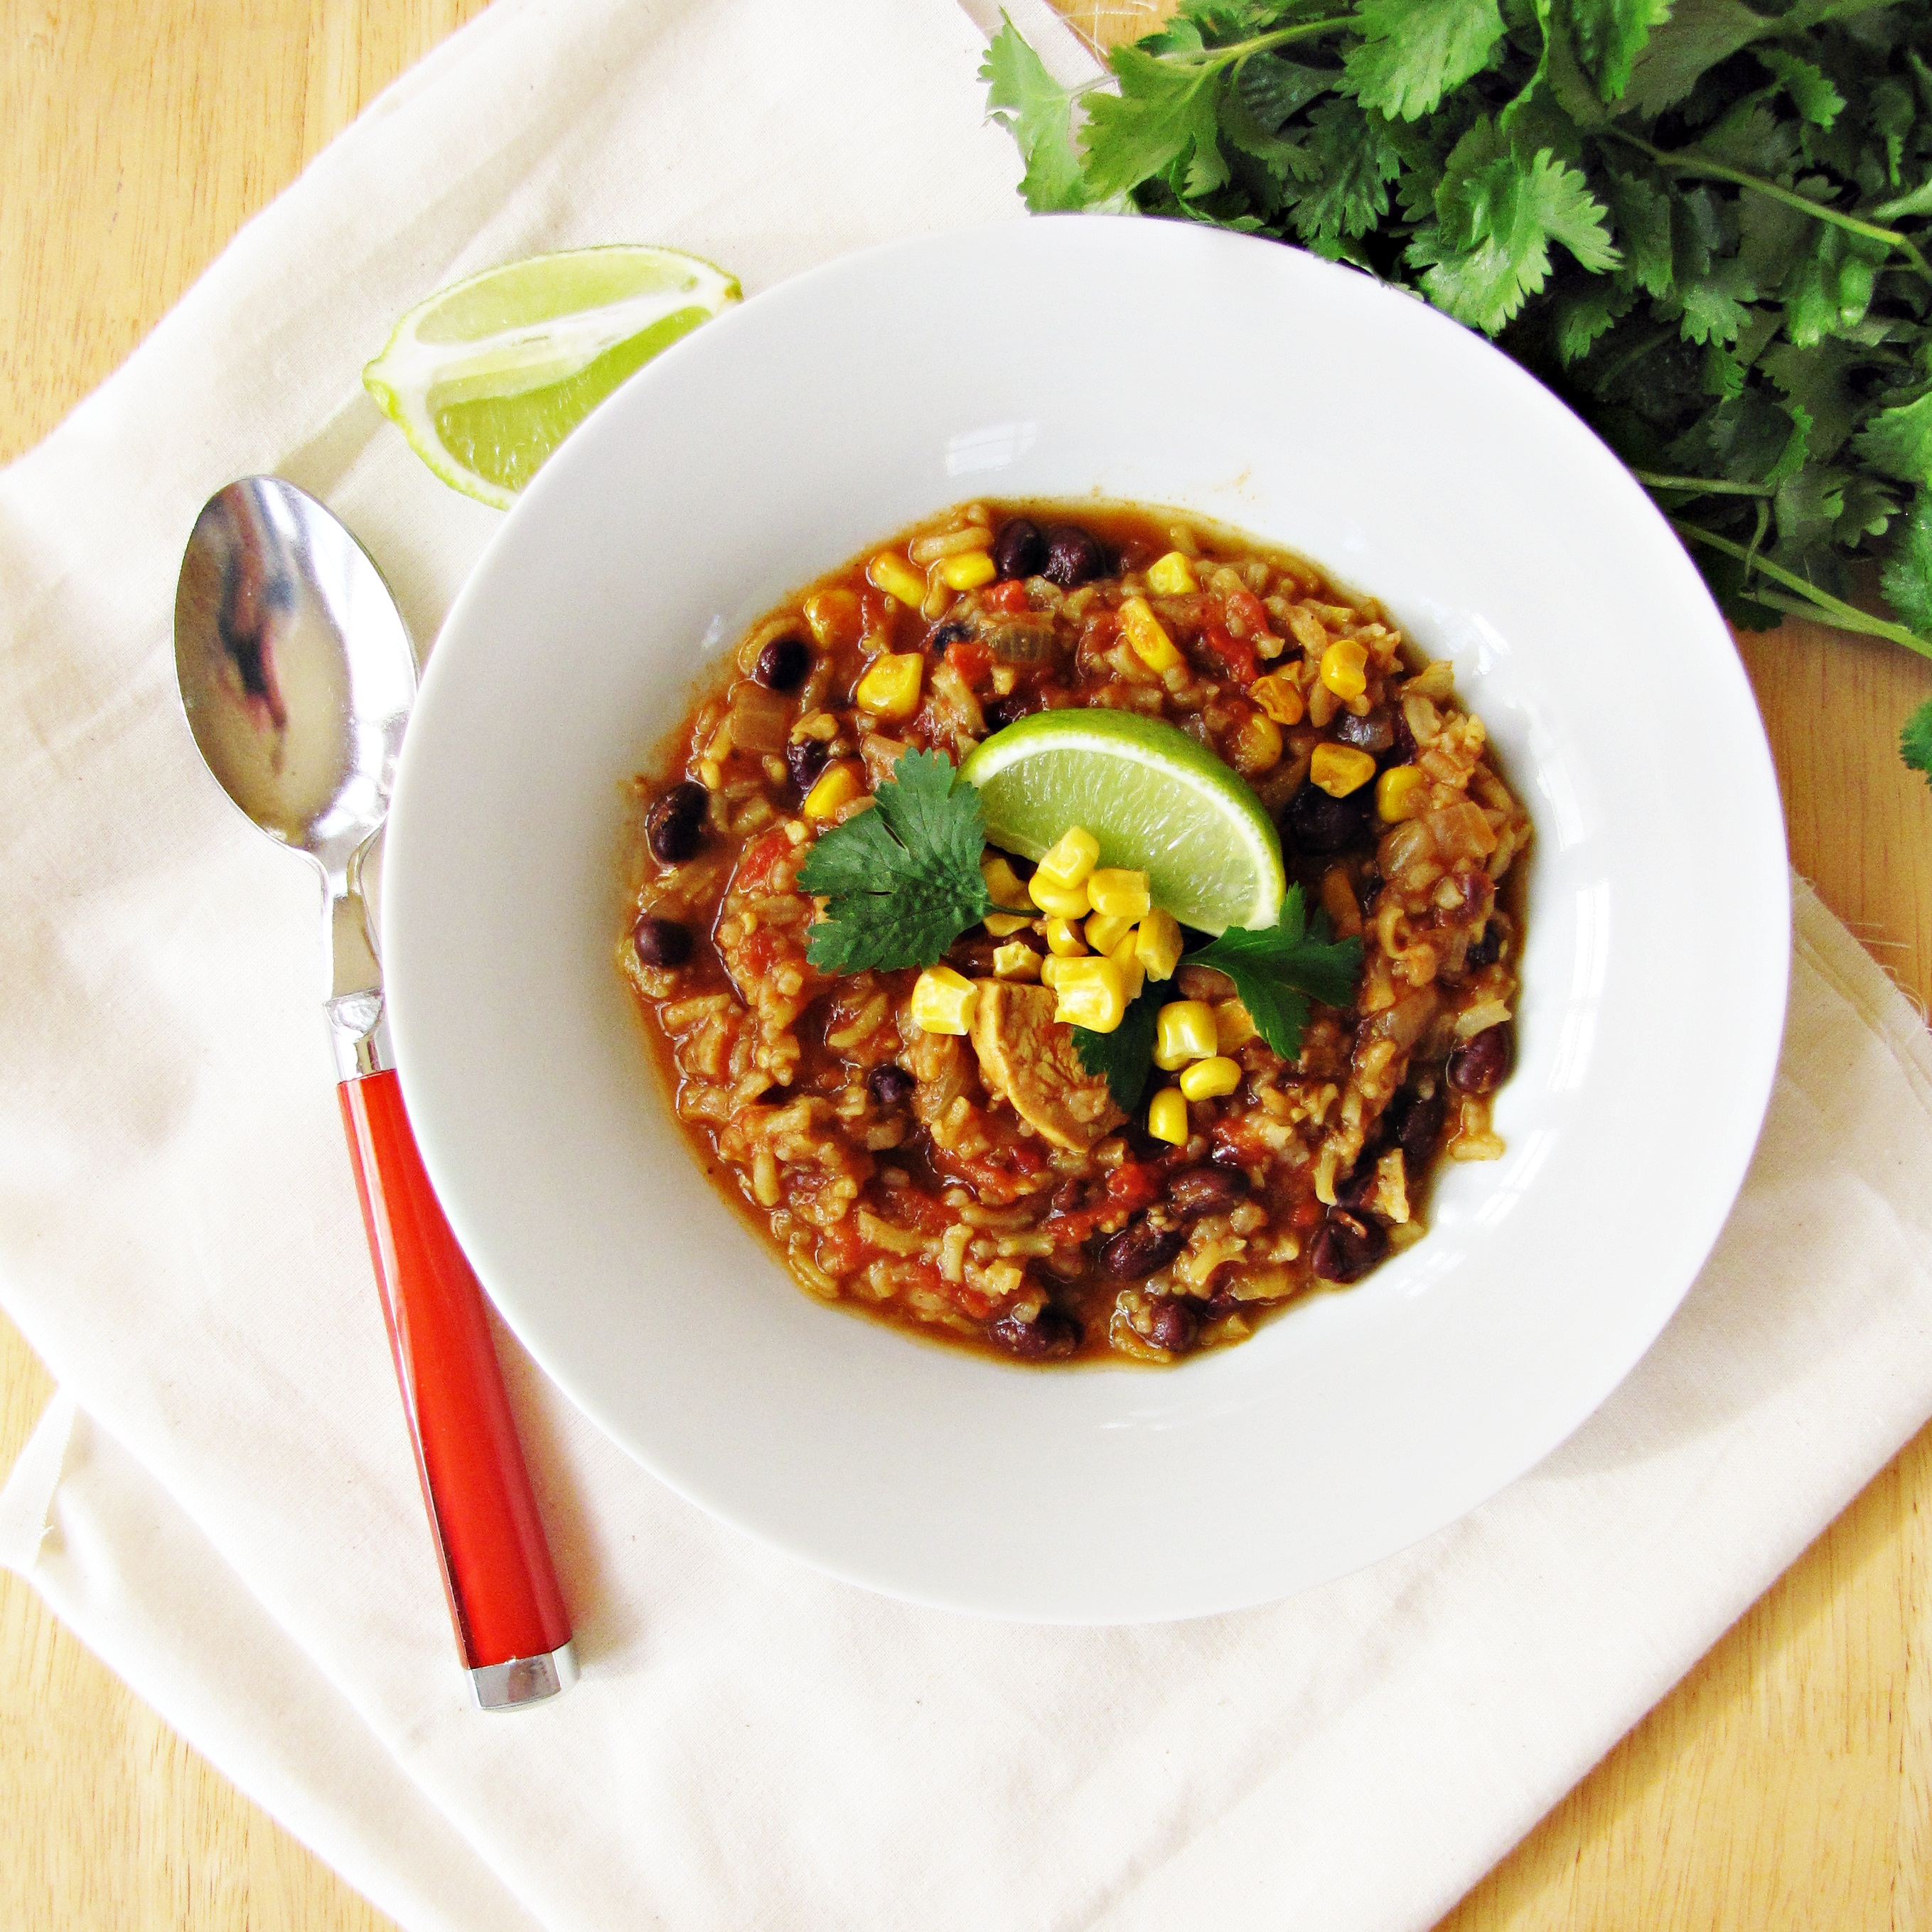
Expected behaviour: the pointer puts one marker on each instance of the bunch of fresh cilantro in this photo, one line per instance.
(1704, 224)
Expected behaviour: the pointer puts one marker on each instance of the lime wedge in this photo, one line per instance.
(1156, 800)
(488, 375)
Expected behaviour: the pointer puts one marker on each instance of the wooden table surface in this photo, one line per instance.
(1786, 1782)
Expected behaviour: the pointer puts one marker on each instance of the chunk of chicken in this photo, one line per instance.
(1028, 1058)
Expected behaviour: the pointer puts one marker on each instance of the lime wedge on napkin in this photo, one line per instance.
(1156, 800)
(488, 375)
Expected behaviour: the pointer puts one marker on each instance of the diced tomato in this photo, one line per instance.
(1131, 1187)
(760, 860)
(972, 1303)
(1248, 610)
(1010, 597)
(754, 957)
(842, 1249)
(1236, 654)
(1100, 631)
(970, 659)
(1305, 1213)
(1026, 1159)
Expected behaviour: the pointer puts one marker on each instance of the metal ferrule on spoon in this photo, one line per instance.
(297, 677)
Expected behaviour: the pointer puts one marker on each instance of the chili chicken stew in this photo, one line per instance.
(1079, 933)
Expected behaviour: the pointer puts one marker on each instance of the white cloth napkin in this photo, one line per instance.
(221, 1502)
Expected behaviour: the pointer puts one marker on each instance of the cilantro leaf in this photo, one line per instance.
(1354, 159)
(1125, 1056)
(1278, 970)
(1609, 34)
(1915, 742)
(1809, 87)
(1160, 116)
(1698, 35)
(1906, 579)
(1413, 51)
(1899, 441)
(1026, 101)
(903, 879)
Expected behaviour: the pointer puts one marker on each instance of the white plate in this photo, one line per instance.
(1141, 360)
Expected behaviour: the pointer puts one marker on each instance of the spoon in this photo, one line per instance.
(297, 676)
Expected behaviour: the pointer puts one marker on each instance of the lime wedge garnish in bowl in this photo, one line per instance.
(489, 375)
(1156, 801)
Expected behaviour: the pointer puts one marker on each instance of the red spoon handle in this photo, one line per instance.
(502, 1590)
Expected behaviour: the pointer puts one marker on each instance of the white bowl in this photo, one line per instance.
(1129, 359)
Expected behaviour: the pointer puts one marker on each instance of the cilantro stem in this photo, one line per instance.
(1811, 601)
(1692, 164)
(1703, 486)
(1260, 43)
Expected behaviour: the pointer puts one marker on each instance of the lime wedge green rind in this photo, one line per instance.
(1156, 801)
(485, 378)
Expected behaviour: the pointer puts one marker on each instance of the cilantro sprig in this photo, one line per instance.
(1915, 742)
(1125, 1056)
(1706, 225)
(902, 880)
(1278, 970)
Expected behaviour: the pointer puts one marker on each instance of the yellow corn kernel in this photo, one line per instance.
(1133, 974)
(890, 688)
(1004, 924)
(967, 570)
(1233, 1025)
(1257, 743)
(1345, 668)
(943, 1001)
(837, 786)
(1172, 576)
(1340, 770)
(1113, 889)
(1051, 968)
(1058, 901)
(1015, 962)
(1280, 697)
(1090, 994)
(1401, 792)
(1002, 881)
(834, 618)
(1105, 930)
(1151, 644)
(1074, 856)
(1063, 937)
(1340, 903)
(1167, 1117)
(1183, 1030)
(896, 578)
(1209, 1079)
(1157, 944)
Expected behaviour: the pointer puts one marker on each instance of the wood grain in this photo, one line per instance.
(1786, 1782)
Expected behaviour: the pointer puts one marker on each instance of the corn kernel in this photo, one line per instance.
(1115, 889)
(1105, 930)
(834, 618)
(967, 570)
(1090, 994)
(943, 1001)
(1280, 697)
(896, 578)
(1209, 1079)
(1167, 1117)
(1340, 770)
(1340, 903)
(1074, 855)
(837, 785)
(1172, 576)
(1345, 668)
(1004, 924)
(1233, 1025)
(1051, 968)
(1184, 1030)
(1157, 944)
(1002, 881)
(1401, 792)
(1257, 745)
(1151, 644)
(1133, 974)
(1058, 901)
(1015, 962)
(890, 688)
(1063, 937)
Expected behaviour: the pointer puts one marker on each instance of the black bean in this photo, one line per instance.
(1374, 733)
(891, 1086)
(804, 760)
(1487, 950)
(1318, 824)
(1140, 1143)
(674, 826)
(1414, 1121)
(1405, 741)
(1073, 556)
(1172, 1324)
(1482, 1065)
(1139, 1249)
(1001, 712)
(1019, 550)
(660, 942)
(782, 664)
(1347, 1247)
(1222, 1155)
(1050, 1333)
(1359, 1189)
(1205, 1190)
(950, 631)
